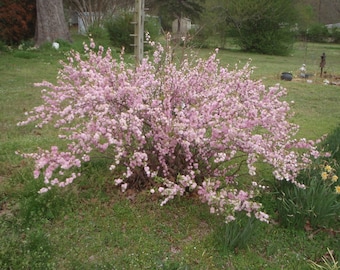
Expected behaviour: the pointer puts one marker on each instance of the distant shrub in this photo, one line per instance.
(17, 20)
(97, 32)
(153, 27)
(120, 29)
(335, 34)
(263, 26)
(198, 38)
(3, 47)
(317, 33)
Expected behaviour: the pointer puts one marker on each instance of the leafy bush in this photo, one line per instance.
(262, 26)
(120, 29)
(317, 205)
(168, 127)
(17, 21)
(3, 47)
(198, 38)
(25, 54)
(152, 26)
(97, 32)
(273, 42)
(335, 34)
(317, 33)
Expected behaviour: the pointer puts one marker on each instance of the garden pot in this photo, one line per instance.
(286, 76)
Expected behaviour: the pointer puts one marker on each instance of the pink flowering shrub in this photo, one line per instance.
(171, 128)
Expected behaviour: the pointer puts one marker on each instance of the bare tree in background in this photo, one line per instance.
(92, 12)
(51, 24)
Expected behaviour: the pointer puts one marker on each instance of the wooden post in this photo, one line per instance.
(139, 31)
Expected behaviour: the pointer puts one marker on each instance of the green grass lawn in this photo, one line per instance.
(91, 225)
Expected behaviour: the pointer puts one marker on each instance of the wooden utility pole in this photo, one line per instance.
(139, 30)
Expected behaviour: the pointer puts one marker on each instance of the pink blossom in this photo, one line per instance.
(179, 127)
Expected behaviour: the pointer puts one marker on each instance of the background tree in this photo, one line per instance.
(51, 24)
(168, 10)
(213, 22)
(307, 15)
(327, 11)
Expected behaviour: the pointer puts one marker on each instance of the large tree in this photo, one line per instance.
(51, 24)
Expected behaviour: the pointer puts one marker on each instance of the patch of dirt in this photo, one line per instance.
(333, 79)
(328, 79)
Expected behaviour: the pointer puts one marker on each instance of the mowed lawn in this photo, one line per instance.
(91, 225)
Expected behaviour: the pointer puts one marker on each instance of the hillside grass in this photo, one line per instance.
(91, 225)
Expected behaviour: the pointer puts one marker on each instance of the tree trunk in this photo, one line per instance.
(51, 24)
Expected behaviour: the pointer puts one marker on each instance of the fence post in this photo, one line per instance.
(139, 30)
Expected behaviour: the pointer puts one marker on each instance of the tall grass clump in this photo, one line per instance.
(237, 234)
(318, 205)
(329, 262)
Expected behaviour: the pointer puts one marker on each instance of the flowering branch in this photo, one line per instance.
(173, 127)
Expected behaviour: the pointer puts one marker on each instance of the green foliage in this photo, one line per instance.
(255, 37)
(27, 239)
(97, 32)
(329, 262)
(318, 205)
(198, 38)
(306, 13)
(33, 249)
(332, 144)
(169, 10)
(3, 47)
(262, 26)
(236, 234)
(26, 45)
(105, 230)
(317, 33)
(152, 26)
(120, 29)
(46, 207)
(213, 23)
(335, 34)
